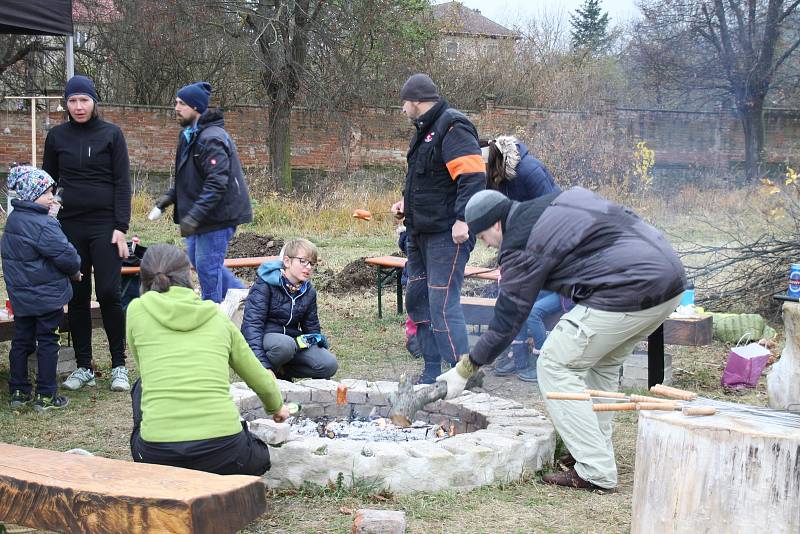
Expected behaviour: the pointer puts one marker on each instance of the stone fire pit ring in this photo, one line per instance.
(497, 440)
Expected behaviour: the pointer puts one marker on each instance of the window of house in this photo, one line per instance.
(451, 49)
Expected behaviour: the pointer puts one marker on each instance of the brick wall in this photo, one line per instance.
(379, 137)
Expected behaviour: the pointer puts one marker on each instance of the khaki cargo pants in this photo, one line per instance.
(585, 351)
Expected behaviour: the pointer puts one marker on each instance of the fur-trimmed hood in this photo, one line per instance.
(508, 146)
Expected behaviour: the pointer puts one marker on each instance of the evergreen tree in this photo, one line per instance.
(590, 29)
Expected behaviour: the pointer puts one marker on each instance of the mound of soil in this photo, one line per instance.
(250, 245)
(355, 276)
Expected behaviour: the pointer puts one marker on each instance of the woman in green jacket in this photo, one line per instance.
(183, 414)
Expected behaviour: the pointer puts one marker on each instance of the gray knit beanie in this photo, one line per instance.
(486, 208)
(419, 88)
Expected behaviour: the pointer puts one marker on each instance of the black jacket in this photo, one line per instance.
(209, 182)
(444, 170)
(598, 253)
(37, 260)
(270, 309)
(90, 161)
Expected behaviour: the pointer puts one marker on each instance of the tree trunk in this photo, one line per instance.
(280, 142)
(783, 380)
(715, 474)
(751, 113)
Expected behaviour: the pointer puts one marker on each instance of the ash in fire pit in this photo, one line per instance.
(364, 429)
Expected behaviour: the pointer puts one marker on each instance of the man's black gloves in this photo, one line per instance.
(163, 201)
(189, 226)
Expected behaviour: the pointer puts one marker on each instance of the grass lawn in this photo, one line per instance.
(99, 420)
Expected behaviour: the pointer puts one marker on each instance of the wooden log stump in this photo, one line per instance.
(88, 494)
(783, 380)
(715, 474)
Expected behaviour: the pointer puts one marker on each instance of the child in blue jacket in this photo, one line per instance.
(38, 262)
(280, 320)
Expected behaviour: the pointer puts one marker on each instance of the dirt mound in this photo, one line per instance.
(250, 245)
(355, 276)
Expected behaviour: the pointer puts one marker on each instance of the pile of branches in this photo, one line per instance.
(739, 272)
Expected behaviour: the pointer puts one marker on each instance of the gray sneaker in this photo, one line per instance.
(119, 379)
(80, 377)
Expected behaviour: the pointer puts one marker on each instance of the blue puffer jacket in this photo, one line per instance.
(270, 308)
(37, 260)
(532, 178)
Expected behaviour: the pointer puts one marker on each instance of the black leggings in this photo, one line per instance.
(93, 243)
(239, 454)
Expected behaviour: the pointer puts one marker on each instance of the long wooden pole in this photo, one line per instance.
(33, 119)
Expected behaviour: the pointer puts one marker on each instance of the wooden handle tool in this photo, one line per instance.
(561, 395)
(673, 393)
(659, 406)
(622, 396)
(614, 407)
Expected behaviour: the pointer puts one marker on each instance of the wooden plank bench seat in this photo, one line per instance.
(7, 325)
(390, 268)
(229, 262)
(87, 494)
(687, 331)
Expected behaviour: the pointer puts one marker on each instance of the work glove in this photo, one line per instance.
(163, 201)
(189, 226)
(309, 340)
(456, 378)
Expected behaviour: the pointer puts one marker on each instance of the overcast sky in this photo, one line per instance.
(509, 12)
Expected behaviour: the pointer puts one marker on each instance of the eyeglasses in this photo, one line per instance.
(304, 262)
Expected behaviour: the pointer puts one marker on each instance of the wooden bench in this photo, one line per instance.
(87, 494)
(390, 268)
(688, 331)
(7, 326)
(229, 262)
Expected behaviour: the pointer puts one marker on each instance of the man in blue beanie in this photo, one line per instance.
(210, 194)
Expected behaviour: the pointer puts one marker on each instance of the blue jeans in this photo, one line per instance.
(547, 303)
(207, 253)
(433, 297)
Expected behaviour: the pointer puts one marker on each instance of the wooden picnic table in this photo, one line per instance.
(390, 268)
(229, 262)
(7, 325)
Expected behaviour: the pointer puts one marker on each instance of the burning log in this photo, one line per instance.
(407, 402)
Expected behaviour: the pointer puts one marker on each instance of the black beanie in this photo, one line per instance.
(486, 208)
(195, 95)
(80, 85)
(419, 88)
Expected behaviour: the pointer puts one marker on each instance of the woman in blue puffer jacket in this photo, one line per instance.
(511, 170)
(280, 316)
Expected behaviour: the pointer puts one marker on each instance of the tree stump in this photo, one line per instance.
(715, 474)
(783, 380)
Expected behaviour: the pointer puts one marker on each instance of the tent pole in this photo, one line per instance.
(33, 131)
(69, 52)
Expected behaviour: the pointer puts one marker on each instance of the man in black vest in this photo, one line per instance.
(444, 170)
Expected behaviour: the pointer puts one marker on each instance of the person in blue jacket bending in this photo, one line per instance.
(513, 171)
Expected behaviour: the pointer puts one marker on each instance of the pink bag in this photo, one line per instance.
(745, 363)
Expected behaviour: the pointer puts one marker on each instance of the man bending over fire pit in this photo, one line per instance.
(625, 279)
(280, 316)
(183, 414)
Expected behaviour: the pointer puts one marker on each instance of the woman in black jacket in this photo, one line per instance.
(88, 159)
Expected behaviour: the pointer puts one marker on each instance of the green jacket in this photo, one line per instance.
(183, 347)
